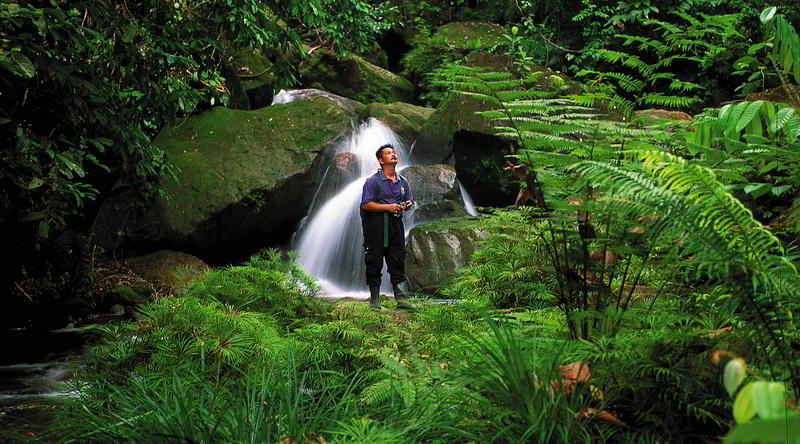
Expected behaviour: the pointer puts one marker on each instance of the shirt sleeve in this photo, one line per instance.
(368, 192)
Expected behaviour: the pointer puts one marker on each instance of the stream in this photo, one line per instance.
(33, 372)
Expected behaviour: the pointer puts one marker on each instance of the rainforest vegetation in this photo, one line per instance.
(642, 288)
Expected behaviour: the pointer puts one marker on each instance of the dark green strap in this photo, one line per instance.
(385, 229)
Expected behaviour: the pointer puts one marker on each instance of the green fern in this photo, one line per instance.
(646, 80)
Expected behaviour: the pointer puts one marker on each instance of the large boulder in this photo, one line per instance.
(245, 178)
(436, 192)
(436, 250)
(455, 134)
(354, 77)
(403, 118)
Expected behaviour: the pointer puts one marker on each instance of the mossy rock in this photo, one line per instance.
(245, 178)
(167, 270)
(354, 77)
(456, 113)
(404, 119)
(471, 35)
(437, 249)
(255, 72)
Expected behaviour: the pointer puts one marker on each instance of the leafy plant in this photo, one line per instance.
(648, 78)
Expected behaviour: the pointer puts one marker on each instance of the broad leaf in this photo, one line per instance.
(768, 14)
(765, 430)
(769, 400)
(734, 374)
(743, 408)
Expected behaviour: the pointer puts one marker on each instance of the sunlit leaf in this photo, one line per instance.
(734, 374)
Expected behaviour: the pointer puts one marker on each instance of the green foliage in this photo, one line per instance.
(343, 26)
(554, 134)
(723, 242)
(648, 77)
(514, 385)
(263, 406)
(752, 146)
(507, 270)
(782, 50)
(266, 283)
(659, 376)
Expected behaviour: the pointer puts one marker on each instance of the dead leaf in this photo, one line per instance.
(602, 414)
(523, 196)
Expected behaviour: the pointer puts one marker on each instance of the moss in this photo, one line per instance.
(403, 118)
(223, 152)
(471, 35)
(355, 78)
(466, 223)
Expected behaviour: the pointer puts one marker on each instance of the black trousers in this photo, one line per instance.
(376, 232)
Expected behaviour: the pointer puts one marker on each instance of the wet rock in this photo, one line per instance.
(245, 178)
(436, 250)
(454, 134)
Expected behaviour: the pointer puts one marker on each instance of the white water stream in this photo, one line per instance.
(330, 242)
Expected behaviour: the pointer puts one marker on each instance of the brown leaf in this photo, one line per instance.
(601, 414)
(717, 332)
(523, 196)
(719, 353)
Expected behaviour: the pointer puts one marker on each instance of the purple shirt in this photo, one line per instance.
(390, 192)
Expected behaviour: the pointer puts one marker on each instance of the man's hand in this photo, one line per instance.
(408, 205)
(394, 208)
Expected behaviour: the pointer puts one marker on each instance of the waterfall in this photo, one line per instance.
(468, 205)
(330, 242)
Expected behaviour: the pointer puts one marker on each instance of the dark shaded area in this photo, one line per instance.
(480, 166)
(394, 45)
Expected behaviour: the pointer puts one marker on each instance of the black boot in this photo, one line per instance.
(375, 297)
(401, 298)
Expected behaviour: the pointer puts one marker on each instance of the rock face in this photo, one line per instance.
(255, 72)
(455, 134)
(436, 192)
(354, 77)
(245, 178)
(436, 250)
(403, 118)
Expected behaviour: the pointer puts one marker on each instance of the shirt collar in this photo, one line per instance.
(383, 176)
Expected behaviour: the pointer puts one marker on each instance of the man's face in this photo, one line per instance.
(388, 157)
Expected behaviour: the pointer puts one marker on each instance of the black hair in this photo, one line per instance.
(380, 150)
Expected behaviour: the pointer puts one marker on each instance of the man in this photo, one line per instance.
(384, 197)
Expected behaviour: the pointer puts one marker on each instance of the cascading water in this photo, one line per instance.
(330, 242)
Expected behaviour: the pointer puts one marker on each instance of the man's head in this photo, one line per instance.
(386, 154)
